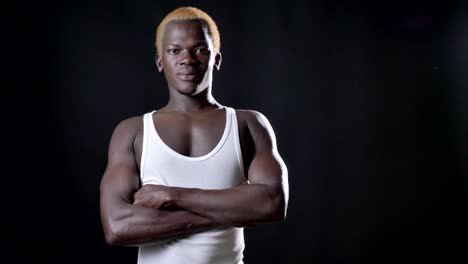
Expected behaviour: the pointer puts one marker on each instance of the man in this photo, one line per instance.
(182, 182)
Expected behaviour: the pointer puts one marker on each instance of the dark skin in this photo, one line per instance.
(191, 124)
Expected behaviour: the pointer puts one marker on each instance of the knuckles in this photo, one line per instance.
(151, 195)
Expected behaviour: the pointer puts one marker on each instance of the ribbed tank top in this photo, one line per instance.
(221, 168)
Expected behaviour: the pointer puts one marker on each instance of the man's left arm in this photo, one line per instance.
(264, 198)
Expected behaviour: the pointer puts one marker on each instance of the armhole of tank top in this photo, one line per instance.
(144, 146)
(237, 145)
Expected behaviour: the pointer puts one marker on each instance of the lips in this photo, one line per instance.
(188, 76)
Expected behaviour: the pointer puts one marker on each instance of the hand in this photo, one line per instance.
(154, 196)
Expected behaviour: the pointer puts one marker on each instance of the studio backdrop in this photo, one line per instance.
(368, 101)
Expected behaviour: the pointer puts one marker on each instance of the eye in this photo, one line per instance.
(202, 51)
(173, 51)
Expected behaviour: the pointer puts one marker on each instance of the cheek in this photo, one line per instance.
(168, 66)
(168, 61)
(205, 62)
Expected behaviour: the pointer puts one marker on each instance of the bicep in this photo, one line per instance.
(267, 166)
(121, 178)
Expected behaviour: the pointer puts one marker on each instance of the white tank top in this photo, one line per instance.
(219, 169)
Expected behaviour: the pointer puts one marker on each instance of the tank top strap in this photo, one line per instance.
(236, 138)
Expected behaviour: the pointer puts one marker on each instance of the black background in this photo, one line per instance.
(368, 100)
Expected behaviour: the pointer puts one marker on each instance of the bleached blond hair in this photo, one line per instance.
(188, 13)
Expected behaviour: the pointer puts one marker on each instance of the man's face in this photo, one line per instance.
(187, 57)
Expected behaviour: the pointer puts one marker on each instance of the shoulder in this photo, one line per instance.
(131, 124)
(253, 118)
(127, 129)
(258, 124)
(250, 115)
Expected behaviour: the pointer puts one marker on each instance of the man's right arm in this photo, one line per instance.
(127, 224)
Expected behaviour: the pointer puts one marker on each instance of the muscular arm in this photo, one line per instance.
(127, 224)
(263, 199)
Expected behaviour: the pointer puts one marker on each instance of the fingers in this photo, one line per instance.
(148, 200)
(142, 198)
(142, 193)
(139, 199)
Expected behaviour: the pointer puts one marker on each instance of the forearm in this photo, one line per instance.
(136, 225)
(242, 205)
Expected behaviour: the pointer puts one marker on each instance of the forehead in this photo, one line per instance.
(185, 31)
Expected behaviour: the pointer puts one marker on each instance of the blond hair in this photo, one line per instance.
(188, 13)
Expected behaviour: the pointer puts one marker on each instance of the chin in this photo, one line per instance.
(188, 88)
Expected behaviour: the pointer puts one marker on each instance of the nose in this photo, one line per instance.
(187, 58)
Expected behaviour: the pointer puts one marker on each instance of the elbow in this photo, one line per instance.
(114, 233)
(278, 210)
(113, 237)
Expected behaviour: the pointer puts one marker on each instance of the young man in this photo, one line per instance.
(182, 182)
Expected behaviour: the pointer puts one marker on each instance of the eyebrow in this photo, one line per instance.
(199, 43)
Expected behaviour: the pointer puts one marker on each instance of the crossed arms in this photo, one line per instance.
(131, 215)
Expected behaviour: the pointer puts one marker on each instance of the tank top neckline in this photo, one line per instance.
(227, 128)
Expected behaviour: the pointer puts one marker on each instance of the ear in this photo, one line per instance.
(157, 60)
(218, 59)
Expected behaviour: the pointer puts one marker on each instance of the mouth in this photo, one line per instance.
(191, 76)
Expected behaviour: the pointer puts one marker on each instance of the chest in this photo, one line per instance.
(197, 136)
(191, 136)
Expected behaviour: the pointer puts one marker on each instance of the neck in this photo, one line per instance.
(200, 102)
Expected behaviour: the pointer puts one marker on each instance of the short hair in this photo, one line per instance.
(188, 13)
